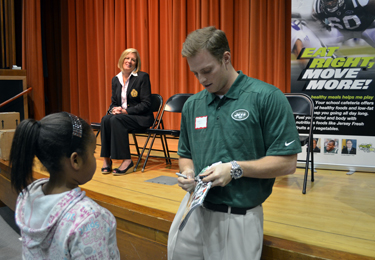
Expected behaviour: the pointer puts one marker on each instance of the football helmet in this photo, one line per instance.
(332, 5)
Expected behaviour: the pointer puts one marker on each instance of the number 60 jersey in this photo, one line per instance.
(352, 15)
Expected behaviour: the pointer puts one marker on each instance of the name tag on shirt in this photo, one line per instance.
(201, 122)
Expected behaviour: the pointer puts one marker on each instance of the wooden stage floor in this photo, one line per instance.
(335, 219)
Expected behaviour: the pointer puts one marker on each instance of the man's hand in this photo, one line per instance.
(189, 183)
(219, 174)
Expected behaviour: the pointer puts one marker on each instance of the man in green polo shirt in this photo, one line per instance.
(246, 124)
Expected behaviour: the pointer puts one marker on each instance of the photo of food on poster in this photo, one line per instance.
(333, 61)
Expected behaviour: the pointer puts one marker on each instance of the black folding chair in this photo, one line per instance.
(96, 126)
(156, 106)
(303, 105)
(174, 104)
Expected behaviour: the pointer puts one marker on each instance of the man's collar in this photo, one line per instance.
(233, 92)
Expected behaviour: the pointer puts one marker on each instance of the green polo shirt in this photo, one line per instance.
(252, 120)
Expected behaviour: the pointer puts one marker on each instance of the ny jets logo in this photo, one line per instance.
(240, 114)
(287, 144)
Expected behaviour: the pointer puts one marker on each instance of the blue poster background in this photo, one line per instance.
(333, 61)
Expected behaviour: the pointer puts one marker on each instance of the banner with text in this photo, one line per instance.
(333, 58)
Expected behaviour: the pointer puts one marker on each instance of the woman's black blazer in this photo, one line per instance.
(138, 97)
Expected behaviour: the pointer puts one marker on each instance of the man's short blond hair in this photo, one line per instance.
(209, 38)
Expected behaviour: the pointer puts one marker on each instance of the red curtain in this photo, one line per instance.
(95, 32)
(32, 56)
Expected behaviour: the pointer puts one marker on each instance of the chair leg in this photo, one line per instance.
(148, 153)
(165, 149)
(306, 170)
(136, 144)
(163, 146)
(168, 154)
(312, 163)
(96, 136)
(140, 156)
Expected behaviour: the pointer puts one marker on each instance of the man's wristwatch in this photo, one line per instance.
(236, 171)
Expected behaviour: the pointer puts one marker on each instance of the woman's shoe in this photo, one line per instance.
(108, 169)
(119, 172)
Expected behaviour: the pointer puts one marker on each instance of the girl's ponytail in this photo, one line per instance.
(22, 153)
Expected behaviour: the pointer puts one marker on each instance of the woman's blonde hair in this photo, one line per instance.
(124, 54)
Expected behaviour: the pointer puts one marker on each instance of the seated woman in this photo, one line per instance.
(130, 109)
